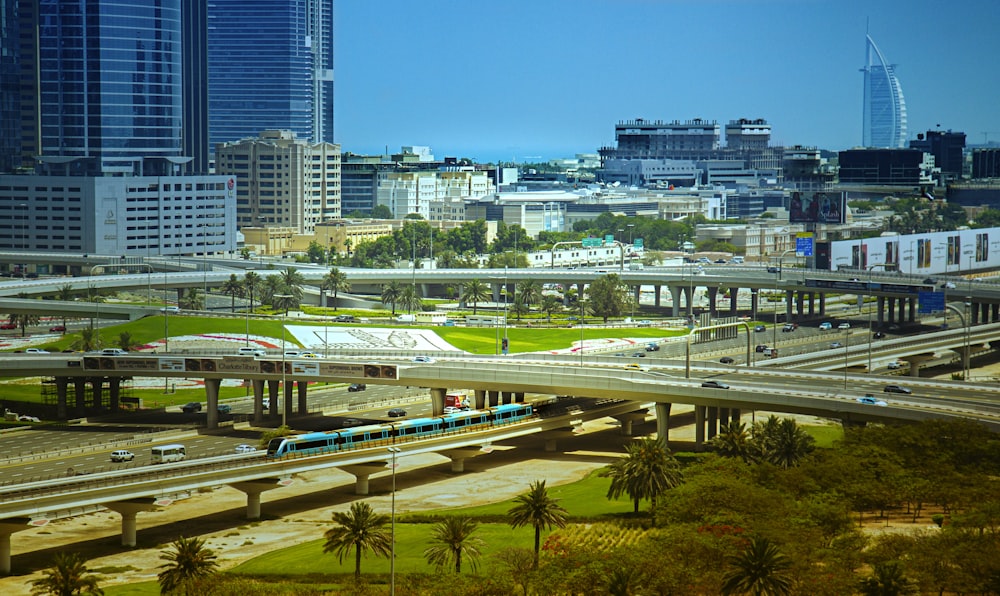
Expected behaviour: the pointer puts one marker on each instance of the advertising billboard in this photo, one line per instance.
(817, 207)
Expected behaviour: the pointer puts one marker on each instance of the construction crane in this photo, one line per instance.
(986, 136)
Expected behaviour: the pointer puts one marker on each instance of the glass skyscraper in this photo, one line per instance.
(884, 107)
(270, 66)
(109, 83)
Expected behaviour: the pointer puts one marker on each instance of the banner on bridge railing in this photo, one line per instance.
(237, 365)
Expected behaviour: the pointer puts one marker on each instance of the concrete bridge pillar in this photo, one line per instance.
(675, 299)
(286, 403)
(713, 422)
(914, 362)
(128, 510)
(458, 456)
(911, 311)
(626, 421)
(735, 415)
(552, 436)
(8, 527)
(480, 397)
(506, 397)
(518, 397)
(80, 388)
(361, 472)
(273, 386)
(253, 489)
(754, 300)
(437, 400)
(97, 386)
(303, 389)
(663, 422)
(212, 395)
(62, 384)
(656, 296)
(699, 425)
(114, 393)
(494, 398)
(258, 400)
(713, 295)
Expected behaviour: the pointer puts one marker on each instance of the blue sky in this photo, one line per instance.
(522, 80)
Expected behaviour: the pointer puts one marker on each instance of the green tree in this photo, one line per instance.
(335, 282)
(187, 561)
(760, 570)
(608, 296)
(550, 306)
(283, 302)
(360, 529)
(381, 212)
(193, 300)
(65, 293)
(538, 510)
(292, 282)
(89, 340)
(234, 289)
(410, 299)
(452, 542)
(780, 441)
(474, 291)
(647, 470)
(530, 292)
(251, 286)
(887, 579)
(316, 252)
(391, 293)
(733, 441)
(67, 577)
(126, 341)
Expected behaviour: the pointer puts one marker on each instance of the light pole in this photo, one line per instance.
(394, 451)
(968, 327)
(630, 227)
(847, 344)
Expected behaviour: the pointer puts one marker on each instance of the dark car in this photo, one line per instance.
(760, 348)
(897, 389)
(638, 354)
(930, 281)
(356, 387)
(720, 261)
(726, 360)
(191, 408)
(774, 269)
(878, 335)
(225, 409)
(760, 328)
(8, 326)
(652, 347)
(715, 385)
(397, 412)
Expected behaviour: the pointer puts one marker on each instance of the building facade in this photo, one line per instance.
(986, 163)
(285, 182)
(883, 104)
(270, 67)
(887, 167)
(948, 149)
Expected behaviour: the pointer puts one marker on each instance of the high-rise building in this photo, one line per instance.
(270, 67)
(948, 149)
(99, 106)
(10, 138)
(287, 182)
(884, 107)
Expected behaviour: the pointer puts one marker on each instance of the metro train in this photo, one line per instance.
(393, 432)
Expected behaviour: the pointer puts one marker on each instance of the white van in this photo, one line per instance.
(736, 260)
(406, 318)
(163, 454)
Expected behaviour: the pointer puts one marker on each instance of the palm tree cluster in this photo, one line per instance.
(779, 441)
(188, 563)
(647, 471)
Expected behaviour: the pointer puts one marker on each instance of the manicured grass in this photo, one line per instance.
(825, 435)
(523, 339)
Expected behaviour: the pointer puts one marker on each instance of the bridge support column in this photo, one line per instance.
(8, 527)
(914, 362)
(97, 386)
(713, 295)
(699, 425)
(286, 394)
(822, 304)
(253, 489)
(494, 398)
(713, 422)
(656, 296)
(506, 397)
(273, 386)
(258, 400)
(114, 393)
(663, 422)
(880, 311)
(458, 456)
(437, 400)
(303, 389)
(62, 384)
(675, 299)
(735, 415)
(80, 386)
(361, 472)
(212, 393)
(518, 397)
(552, 436)
(911, 314)
(128, 511)
(480, 398)
(627, 420)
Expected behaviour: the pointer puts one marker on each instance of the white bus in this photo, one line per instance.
(167, 453)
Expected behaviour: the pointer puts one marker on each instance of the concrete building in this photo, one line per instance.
(986, 163)
(883, 104)
(804, 169)
(948, 149)
(416, 192)
(285, 182)
(888, 167)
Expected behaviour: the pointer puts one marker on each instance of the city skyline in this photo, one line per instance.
(523, 81)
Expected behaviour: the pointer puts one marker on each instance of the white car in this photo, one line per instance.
(453, 409)
(844, 326)
(244, 448)
(251, 351)
(36, 351)
(122, 455)
(423, 359)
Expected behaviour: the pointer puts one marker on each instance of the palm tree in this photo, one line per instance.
(67, 577)
(733, 441)
(188, 561)
(88, 339)
(781, 442)
(193, 300)
(65, 293)
(391, 293)
(550, 305)
(537, 509)
(234, 289)
(647, 471)
(271, 285)
(335, 281)
(360, 529)
(887, 579)
(529, 292)
(452, 541)
(283, 302)
(475, 291)
(410, 299)
(251, 285)
(292, 281)
(759, 570)
(125, 341)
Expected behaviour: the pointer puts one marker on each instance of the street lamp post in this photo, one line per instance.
(870, 330)
(394, 451)
(847, 344)
(630, 227)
